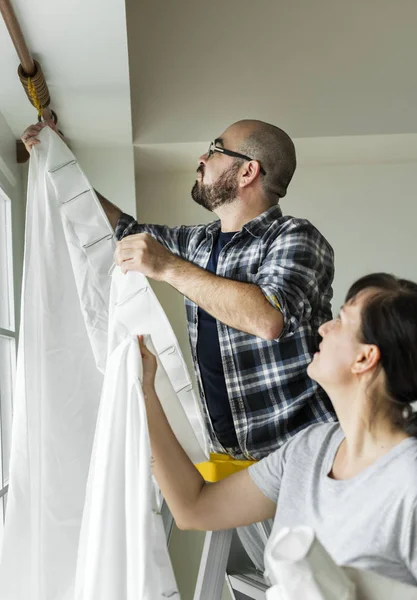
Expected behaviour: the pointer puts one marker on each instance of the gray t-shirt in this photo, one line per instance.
(368, 522)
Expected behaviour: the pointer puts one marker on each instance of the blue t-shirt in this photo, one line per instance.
(210, 362)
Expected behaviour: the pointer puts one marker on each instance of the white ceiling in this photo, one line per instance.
(82, 46)
(315, 67)
(342, 150)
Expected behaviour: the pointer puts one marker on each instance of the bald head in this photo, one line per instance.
(273, 148)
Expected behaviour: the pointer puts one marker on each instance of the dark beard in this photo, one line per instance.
(224, 191)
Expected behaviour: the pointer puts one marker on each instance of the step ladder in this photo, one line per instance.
(222, 549)
(250, 584)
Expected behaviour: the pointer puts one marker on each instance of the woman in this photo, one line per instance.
(355, 482)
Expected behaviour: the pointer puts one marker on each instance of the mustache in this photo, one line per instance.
(200, 169)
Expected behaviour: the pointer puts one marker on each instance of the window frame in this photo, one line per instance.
(8, 333)
(13, 187)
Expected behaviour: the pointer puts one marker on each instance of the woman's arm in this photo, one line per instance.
(232, 502)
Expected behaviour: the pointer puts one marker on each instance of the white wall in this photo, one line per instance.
(110, 169)
(367, 212)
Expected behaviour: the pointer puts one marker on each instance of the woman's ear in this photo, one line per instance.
(367, 359)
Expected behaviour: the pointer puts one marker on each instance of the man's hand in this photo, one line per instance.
(141, 252)
(30, 139)
(29, 136)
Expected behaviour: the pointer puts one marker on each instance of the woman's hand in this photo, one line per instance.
(149, 364)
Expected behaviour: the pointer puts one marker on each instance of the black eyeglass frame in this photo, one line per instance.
(213, 148)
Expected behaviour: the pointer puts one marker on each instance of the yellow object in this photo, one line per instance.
(273, 299)
(34, 97)
(221, 466)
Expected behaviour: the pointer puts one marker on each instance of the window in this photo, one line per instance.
(7, 348)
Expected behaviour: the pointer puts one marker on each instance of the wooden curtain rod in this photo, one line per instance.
(17, 37)
(29, 71)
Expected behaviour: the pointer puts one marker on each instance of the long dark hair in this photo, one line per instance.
(389, 320)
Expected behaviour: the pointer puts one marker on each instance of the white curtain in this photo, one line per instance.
(66, 287)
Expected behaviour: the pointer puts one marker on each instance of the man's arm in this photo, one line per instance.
(232, 502)
(294, 279)
(112, 211)
(240, 305)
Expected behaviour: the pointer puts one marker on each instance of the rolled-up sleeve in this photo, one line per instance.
(297, 274)
(175, 239)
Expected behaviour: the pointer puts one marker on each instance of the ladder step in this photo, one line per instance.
(251, 583)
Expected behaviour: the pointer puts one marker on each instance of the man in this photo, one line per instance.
(257, 286)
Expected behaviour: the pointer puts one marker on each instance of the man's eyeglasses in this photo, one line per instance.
(213, 148)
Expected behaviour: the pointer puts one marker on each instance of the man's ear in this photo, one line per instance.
(251, 170)
(367, 359)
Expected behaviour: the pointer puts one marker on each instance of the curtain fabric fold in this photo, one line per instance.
(60, 426)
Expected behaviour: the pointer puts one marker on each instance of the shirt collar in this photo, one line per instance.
(262, 222)
(257, 226)
(213, 227)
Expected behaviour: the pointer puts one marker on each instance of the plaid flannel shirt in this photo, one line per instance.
(270, 393)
